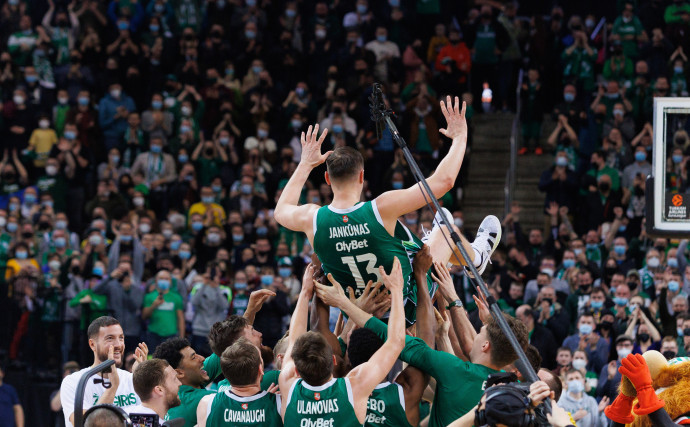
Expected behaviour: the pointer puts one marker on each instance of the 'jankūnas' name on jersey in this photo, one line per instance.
(317, 408)
(255, 416)
(349, 230)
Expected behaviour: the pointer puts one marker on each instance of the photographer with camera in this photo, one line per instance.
(512, 404)
(125, 297)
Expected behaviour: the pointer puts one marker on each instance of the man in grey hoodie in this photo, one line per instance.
(583, 408)
(210, 303)
(125, 296)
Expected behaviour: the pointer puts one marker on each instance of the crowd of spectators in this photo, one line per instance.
(145, 142)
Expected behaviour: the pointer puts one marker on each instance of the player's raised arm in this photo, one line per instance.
(287, 213)
(368, 375)
(396, 203)
(298, 326)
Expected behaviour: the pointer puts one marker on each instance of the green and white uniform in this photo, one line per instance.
(352, 243)
(190, 396)
(459, 384)
(327, 405)
(229, 409)
(386, 406)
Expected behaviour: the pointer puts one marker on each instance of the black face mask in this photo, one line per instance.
(209, 152)
(263, 253)
(605, 325)
(686, 332)
(643, 337)
(43, 225)
(604, 186)
(632, 285)
(669, 354)
(599, 116)
(585, 288)
(75, 270)
(661, 249)
(27, 234)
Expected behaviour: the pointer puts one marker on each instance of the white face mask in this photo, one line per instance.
(18, 99)
(144, 228)
(43, 124)
(579, 364)
(138, 201)
(3, 221)
(51, 170)
(115, 93)
(623, 352)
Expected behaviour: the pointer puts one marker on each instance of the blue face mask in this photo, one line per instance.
(338, 128)
(207, 199)
(577, 251)
(620, 301)
(262, 133)
(83, 101)
(569, 97)
(679, 331)
(154, 28)
(184, 254)
(97, 271)
(266, 280)
(597, 305)
(60, 242)
(125, 238)
(29, 198)
(159, 7)
(672, 262)
(31, 78)
(575, 386)
(673, 286)
(561, 161)
(237, 238)
(284, 271)
(182, 158)
(157, 105)
(257, 69)
(622, 228)
(397, 185)
(677, 158)
(678, 70)
(591, 246)
(224, 140)
(251, 35)
(261, 231)
(123, 25)
(619, 249)
(362, 9)
(21, 254)
(185, 129)
(12, 227)
(290, 13)
(217, 188)
(163, 284)
(246, 189)
(640, 156)
(381, 39)
(175, 245)
(296, 124)
(197, 225)
(567, 263)
(394, 3)
(156, 149)
(585, 329)
(240, 285)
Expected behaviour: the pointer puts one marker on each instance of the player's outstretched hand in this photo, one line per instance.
(422, 260)
(455, 117)
(308, 281)
(445, 281)
(258, 298)
(333, 296)
(311, 147)
(394, 280)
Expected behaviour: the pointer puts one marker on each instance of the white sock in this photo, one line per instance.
(477, 257)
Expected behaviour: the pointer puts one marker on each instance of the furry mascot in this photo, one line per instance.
(653, 392)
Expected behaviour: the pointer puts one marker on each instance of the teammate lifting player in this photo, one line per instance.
(352, 238)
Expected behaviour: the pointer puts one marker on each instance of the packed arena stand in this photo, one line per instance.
(147, 143)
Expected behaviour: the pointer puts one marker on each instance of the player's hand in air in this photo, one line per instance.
(373, 298)
(311, 147)
(394, 280)
(455, 117)
(331, 295)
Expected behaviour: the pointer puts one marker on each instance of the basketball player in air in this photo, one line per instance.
(352, 238)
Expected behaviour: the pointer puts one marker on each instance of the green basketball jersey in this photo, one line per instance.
(352, 243)
(386, 406)
(228, 409)
(328, 405)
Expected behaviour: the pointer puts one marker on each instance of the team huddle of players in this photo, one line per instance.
(370, 266)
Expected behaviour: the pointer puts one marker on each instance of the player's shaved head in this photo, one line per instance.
(344, 163)
(104, 417)
(363, 344)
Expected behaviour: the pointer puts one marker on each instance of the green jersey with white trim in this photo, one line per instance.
(352, 243)
(229, 409)
(386, 406)
(327, 405)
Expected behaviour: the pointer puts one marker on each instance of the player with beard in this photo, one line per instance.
(107, 341)
(156, 383)
(190, 368)
(352, 237)
(244, 403)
